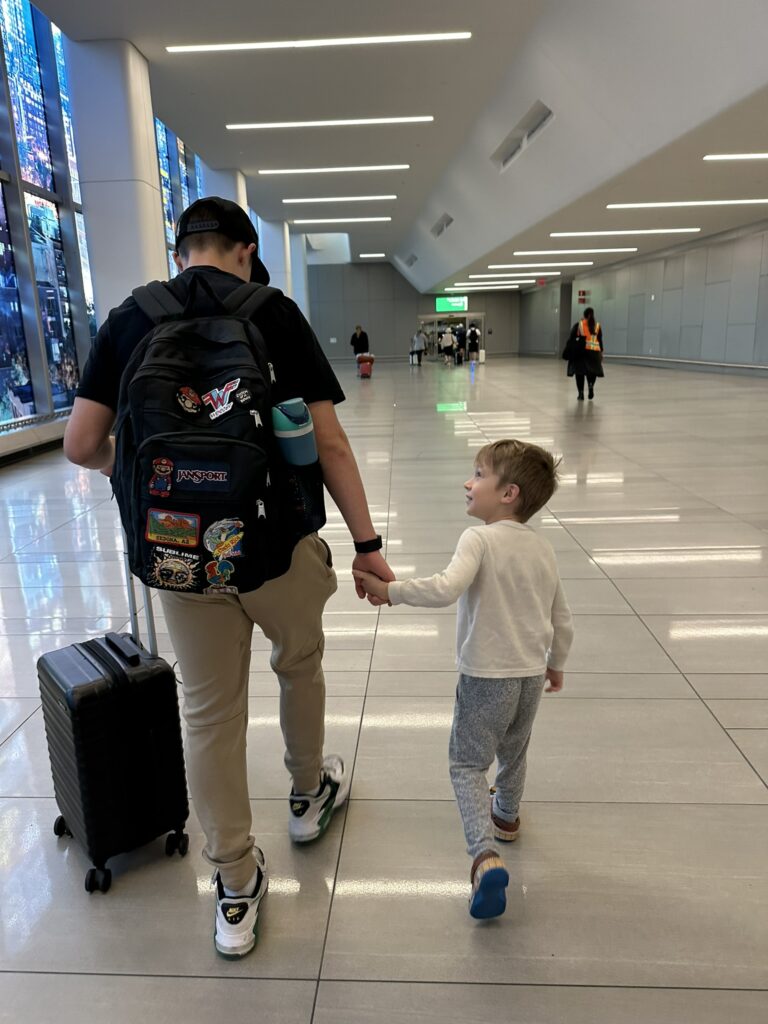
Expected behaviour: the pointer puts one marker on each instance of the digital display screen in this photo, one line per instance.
(16, 396)
(66, 112)
(451, 303)
(161, 135)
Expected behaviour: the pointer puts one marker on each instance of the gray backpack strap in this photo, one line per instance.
(156, 302)
(245, 300)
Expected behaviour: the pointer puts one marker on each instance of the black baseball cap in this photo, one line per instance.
(228, 219)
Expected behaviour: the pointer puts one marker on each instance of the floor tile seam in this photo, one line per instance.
(21, 724)
(354, 764)
(170, 977)
(452, 800)
(442, 982)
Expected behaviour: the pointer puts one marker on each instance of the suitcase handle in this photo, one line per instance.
(125, 647)
(133, 607)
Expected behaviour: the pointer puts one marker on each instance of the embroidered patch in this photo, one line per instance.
(202, 476)
(177, 528)
(220, 399)
(224, 539)
(160, 481)
(174, 570)
(219, 574)
(243, 397)
(189, 400)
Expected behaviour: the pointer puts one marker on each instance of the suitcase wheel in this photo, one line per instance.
(60, 828)
(98, 879)
(177, 841)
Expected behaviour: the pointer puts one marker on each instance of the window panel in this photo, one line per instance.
(66, 112)
(161, 136)
(85, 263)
(183, 174)
(199, 182)
(53, 292)
(16, 395)
(26, 93)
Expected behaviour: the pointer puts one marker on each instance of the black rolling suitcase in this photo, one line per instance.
(111, 716)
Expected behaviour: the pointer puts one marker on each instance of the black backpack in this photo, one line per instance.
(472, 335)
(198, 477)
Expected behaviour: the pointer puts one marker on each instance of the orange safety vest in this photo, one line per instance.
(593, 342)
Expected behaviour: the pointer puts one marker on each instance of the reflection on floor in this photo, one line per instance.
(638, 890)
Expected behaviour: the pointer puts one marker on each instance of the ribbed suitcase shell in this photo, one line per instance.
(114, 739)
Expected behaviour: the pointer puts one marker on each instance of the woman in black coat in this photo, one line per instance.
(584, 352)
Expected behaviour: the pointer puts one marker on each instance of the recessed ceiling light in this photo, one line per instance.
(464, 287)
(309, 44)
(688, 202)
(736, 156)
(623, 231)
(341, 220)
(338, 170)
(549, 263)
(519, 273)
(341, 199)
(567, 252)
(340, 123)
(371, 255)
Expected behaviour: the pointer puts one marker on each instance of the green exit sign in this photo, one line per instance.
(451, 303)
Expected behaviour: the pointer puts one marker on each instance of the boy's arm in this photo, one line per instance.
(444, 587)
(562, 621)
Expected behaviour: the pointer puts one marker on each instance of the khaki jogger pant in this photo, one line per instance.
(211, 636)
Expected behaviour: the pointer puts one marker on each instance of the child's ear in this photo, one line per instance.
(511, 494)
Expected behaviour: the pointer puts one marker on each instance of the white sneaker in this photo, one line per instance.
(311, 815)
(237, 916)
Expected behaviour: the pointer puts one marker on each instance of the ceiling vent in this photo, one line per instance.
(522, 135)
(442, 225)
(413, 258)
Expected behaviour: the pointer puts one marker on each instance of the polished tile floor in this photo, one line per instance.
(638, 890)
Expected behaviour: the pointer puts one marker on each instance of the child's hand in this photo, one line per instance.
(372, 584)
(555, 680)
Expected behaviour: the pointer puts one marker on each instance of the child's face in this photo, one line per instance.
(486, 498)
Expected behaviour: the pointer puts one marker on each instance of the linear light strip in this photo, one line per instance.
(336, 123)
(736, 156)
(492, 284)
(338, 170)
(623, 231)
(371, 255)
(549, 263)
(568, 252)
(517, 273)
(486, 287)
(310, 44)
(341, 220)
(340, 199)
(687, 202)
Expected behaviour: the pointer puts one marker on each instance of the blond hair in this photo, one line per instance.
(532, 468)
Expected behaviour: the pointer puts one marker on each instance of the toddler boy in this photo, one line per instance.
(514, 631)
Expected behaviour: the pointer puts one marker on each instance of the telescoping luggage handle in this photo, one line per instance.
(133, 611)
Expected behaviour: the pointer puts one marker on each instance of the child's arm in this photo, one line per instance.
(434, 591)
(562, 620)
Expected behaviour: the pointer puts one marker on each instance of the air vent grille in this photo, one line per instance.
(522, 135)
(442, 225)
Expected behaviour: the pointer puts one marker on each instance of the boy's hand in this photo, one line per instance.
(555, 680)
(373, 565)
(372, 585)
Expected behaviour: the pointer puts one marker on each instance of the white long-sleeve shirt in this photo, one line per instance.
(512, 610)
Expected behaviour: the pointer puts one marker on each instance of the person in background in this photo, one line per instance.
(584, 349)
(359, 341)
(448, 344)
(418, 345)
(473, 342)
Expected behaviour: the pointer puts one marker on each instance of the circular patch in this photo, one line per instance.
(189, 400)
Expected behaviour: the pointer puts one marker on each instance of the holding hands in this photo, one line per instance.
(372, 585)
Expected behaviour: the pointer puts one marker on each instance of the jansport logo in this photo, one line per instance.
(220, 399)
(202, 476)
(198, 475)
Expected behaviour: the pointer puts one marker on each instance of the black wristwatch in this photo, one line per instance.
(366, 547)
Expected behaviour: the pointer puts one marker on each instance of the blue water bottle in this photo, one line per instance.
(295, 432)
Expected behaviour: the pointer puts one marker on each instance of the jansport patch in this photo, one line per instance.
(202, 476)
(180, 529)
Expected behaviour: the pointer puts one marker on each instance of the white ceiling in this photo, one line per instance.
(641, 89)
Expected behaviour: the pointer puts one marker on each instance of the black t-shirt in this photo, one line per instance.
(301, 368)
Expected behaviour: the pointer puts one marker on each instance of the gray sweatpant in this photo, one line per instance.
(493, 718)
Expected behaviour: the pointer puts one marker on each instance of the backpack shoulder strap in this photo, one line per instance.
(245, 300)
(156, 302)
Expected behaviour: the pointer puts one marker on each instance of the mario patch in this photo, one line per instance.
(202, 476)
(224, 539)
(174, 570)
(220, 399)
(160, 481)
(189, 401)
(177, 528)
